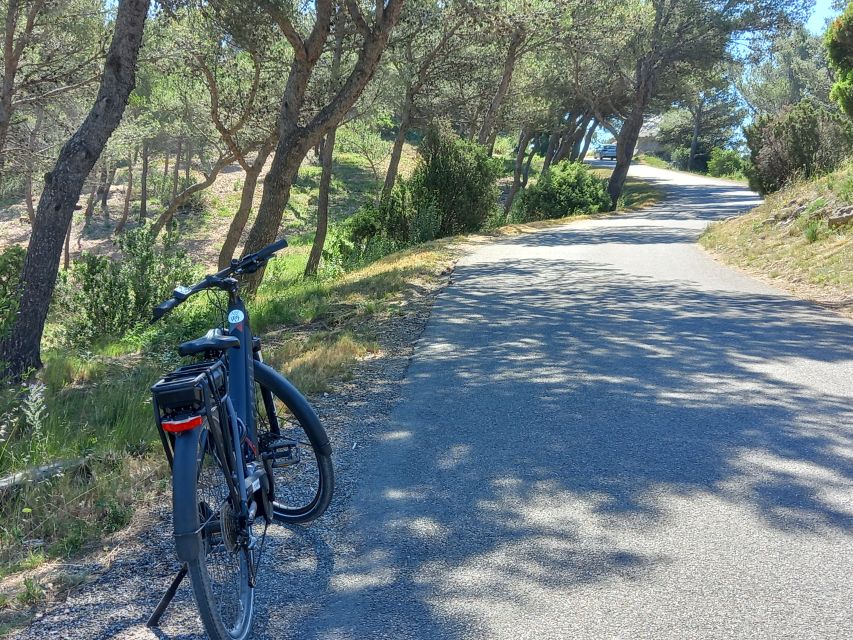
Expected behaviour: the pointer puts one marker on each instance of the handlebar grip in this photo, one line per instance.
(270, 249)
(163, 308)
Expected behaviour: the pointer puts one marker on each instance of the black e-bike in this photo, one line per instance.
(245, 448)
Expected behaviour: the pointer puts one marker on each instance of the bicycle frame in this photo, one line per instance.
(241, 365)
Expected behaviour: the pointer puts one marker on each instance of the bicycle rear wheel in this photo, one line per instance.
(221, 571)
(295, 447)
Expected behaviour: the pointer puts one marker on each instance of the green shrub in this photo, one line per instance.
(839, 49)
(375, 231)
(457, 179)
(104, 297)
(800, 141)
(568, 188)
(680, 157)
(814, 230)
(451, 191)
(11, 264)
(725, 162)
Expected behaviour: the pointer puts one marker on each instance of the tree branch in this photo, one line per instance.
(286, 26)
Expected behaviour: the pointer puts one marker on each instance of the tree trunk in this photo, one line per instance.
(247, 196)
(189, 159)
(180, 198)
(397, 149)
(28, 197)
(28, 178)
(694, 142)
(588, 140)
(565, 146)
(175, 169)
(577, 137)
(553, 139)
(105, 193)
(523, 141)
(625, 152)
(295, 140)
(143, 183)
(90, 205)
(322, 206)
(20, 348)
(128, 197)
(66, 262)
(487, 131)
(627, 141)
(165, 169)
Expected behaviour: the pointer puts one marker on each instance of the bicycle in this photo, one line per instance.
(245, 449)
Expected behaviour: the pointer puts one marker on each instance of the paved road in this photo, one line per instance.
(606, 434)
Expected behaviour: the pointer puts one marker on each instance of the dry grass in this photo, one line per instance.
(787, 242)
(313, 363)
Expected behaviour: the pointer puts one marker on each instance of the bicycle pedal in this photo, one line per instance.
(281, 452)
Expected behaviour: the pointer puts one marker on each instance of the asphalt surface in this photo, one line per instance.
(604, 433)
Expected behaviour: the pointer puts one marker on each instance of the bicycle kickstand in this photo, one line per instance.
(154, 620)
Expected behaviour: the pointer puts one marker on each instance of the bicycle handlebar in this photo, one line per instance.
(222, 279)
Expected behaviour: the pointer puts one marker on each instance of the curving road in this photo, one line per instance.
(606, 434)
(603, 434)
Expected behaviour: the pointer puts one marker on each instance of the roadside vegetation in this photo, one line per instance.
(800, 148)
(800, 239)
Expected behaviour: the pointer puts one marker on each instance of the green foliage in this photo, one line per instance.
(11, 264)
(452, 190)
(725, 162)
(569, 188)
(814, 230)
(457, 178)
(679, 158)
(375, 231)
(839, 48)
(800, 141)
(793, 67)
(104, 297)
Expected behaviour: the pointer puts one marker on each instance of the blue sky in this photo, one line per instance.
(822, 11)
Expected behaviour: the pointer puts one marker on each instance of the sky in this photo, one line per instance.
(823, 10)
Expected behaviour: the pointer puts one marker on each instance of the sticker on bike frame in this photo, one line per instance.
(236, 316)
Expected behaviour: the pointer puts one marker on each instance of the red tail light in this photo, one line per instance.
(177, 426)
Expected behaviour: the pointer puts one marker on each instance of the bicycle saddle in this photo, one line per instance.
(214, 340)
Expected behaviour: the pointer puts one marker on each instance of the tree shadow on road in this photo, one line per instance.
(564, 402)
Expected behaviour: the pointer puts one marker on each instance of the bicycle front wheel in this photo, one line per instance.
(295, 448)
(221, 571)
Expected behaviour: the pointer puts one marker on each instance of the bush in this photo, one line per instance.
(725, 162)
(104, 297)
(839, 48)
(375, 231)
(679, 158)
(801, 141)
(11, 265)
(452, 190)
(457, 179)
(568, 188)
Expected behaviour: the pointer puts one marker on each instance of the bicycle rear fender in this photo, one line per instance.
(186, 522)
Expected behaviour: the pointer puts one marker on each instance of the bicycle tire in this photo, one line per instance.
(220, 569)
(301, 492)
